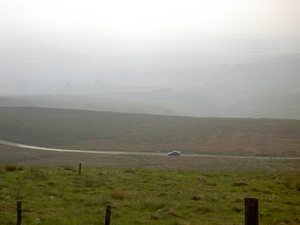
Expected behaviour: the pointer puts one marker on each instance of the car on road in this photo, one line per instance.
(174, 153)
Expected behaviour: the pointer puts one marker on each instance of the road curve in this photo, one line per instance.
(13, 144)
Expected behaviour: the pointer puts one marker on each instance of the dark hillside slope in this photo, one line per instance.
(110, 131)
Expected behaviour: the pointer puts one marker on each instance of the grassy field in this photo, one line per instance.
(109, 131)
(58, 195)
(146, 189)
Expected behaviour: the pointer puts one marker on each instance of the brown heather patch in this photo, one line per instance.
(240, 183)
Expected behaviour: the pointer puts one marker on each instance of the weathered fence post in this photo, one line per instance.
(251, 211)
(79, 171)
(19, 212)
(107, 216)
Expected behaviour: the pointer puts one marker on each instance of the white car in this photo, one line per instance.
(174, 153)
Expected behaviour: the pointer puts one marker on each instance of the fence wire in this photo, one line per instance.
(140, 218)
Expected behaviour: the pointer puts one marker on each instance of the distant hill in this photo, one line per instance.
(259, 103)
(199, 78)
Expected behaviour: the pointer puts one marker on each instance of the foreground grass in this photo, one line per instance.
(58, 195)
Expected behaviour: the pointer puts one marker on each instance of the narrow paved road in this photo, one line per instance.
(135, 153)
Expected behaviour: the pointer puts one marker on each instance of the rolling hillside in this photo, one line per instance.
(111, 131)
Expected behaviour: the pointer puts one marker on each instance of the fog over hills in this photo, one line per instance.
(189, 77)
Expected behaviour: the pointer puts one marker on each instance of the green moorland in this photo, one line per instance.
(59, 195)
(110, 131)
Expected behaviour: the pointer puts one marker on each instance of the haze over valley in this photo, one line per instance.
(193, 58)
(190, 77)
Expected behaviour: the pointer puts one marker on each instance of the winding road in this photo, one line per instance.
(136, 153)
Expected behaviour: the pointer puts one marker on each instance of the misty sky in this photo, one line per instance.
(155, 19)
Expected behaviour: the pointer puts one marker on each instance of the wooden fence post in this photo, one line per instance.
(251, 211)
(79, 171)
(19, 212)
(107, 216)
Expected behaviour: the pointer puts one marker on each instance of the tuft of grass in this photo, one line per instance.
(240, 183)
(130, 170)
(91, 181)
(237, 209)
(154, 216)
(288, 181)
(173, 212)
(291, 181)
(153, 204)
(204, 209)
(69, 168)
(118, 194)
(13, 167)
(105, 200)
(40, 176)
(197, 197)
